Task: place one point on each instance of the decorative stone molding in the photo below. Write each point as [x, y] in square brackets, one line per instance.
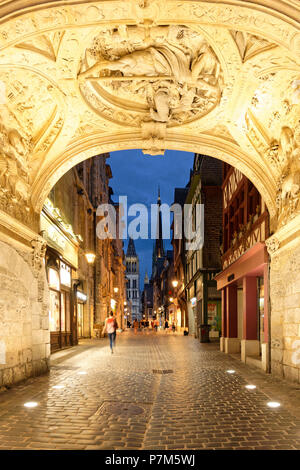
[38, 255]
[272, 245]
[184, 67]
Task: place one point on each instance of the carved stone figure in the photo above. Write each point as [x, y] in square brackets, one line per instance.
[38, 254]
[163, 60]
[13, 163]
[296, 92]
[289, 189]
[170, 69]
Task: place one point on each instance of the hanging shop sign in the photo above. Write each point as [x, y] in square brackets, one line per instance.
[59, 241]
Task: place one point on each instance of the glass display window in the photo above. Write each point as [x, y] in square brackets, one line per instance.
[63, 312]
[54, 312]
[68, 313]
[53, 279]
[65, 274]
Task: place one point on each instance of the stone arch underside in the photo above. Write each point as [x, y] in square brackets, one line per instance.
[81, 78]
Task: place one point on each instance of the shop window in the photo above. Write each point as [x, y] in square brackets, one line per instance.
[54, 312]
[63, 312]
[53, 279]
[68, 313]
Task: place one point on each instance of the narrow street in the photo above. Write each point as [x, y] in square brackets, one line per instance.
[157, 391]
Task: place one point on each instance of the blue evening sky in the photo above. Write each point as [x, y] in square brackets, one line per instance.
[138, 176]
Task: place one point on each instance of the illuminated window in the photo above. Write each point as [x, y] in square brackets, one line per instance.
[53, 279]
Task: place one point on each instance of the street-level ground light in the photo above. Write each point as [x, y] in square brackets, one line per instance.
[250, 387]
[82, 372]
[90, 257]
[273, 404]
[230, 371]
[59, 387]
[30, 404]
[125, 303]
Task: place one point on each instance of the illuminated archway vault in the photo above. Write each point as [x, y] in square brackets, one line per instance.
[88, 77]
[78, 78]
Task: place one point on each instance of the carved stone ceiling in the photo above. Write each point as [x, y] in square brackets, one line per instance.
[88, 77]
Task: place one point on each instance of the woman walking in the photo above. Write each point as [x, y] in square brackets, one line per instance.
[110, 328]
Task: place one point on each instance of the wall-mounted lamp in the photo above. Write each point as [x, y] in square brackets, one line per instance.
[90, 257]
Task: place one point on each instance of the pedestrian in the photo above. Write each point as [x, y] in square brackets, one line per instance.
[135, 326]
[110, 328]
[173, 327]
[166, 325]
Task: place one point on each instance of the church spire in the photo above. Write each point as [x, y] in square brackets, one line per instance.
[131, 249]
[159, 246]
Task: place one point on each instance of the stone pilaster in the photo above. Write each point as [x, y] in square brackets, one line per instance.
[284, 250]
[24, 299]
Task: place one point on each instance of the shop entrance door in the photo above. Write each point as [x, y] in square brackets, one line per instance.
[80, 320]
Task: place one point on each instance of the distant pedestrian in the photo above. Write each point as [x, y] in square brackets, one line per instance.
[110, 328]
[173, 327]
[135, 326]
[166, 325]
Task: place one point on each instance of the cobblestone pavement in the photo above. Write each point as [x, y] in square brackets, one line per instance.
[156, 392]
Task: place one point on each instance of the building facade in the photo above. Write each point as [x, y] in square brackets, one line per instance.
[244, 280]
[133, 280]
[178, 244]
[86, 275]
[147, 299]
[203, 262]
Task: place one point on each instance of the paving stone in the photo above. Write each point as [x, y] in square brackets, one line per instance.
[121, 404]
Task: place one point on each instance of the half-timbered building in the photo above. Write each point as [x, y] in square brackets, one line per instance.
[244, 278]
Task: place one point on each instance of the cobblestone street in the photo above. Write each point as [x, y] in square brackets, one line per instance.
[156, 392]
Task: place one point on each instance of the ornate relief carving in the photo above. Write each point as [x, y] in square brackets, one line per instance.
[14, 150]
[153, 134]
[250, 45]
[47, 44]
[165, 74]
[38, 254]
[289, 184]
[272, 245]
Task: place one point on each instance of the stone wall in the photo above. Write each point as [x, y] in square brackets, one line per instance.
[285, 312]
[24, 318]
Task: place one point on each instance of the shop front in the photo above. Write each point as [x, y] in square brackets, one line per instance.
[245, 307]
[59, 280]
[61, 266]
[81, 298]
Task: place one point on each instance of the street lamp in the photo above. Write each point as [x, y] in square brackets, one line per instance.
[171, 299]
[175, 283]
[90, 257]
[116, 290]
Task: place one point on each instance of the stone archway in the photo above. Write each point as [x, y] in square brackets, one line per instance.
[79, 78]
